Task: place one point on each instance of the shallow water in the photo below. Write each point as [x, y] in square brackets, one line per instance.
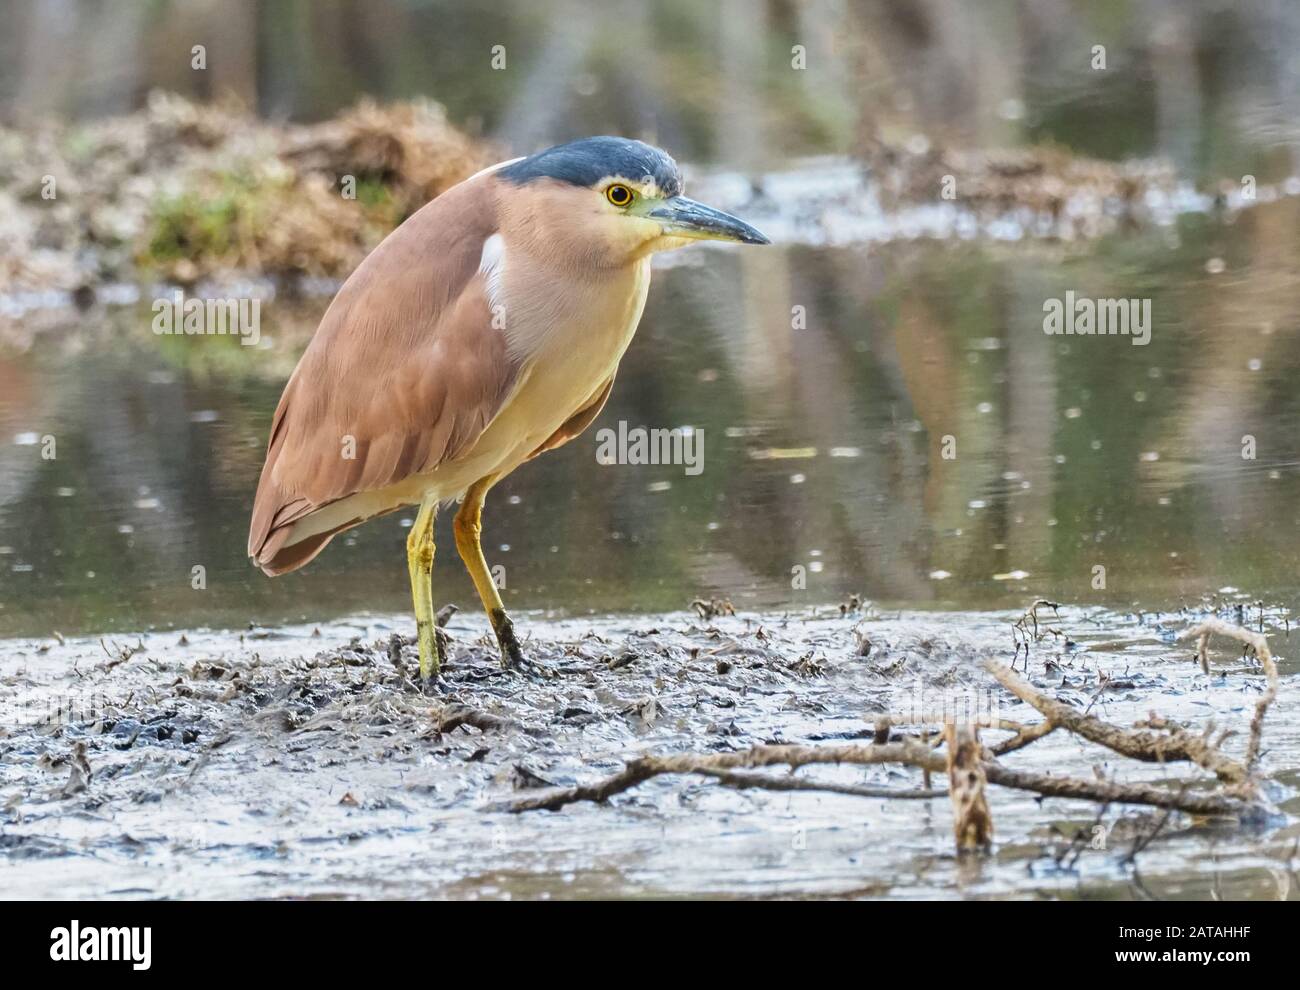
[1068, 454]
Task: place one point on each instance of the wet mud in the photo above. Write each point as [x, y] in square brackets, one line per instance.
[307, 762]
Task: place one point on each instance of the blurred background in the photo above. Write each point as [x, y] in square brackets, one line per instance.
[831, 125]
[1212, 84]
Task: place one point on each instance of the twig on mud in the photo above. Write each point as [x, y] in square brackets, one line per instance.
[1154, 795]
[971, 766]
[743, 781]
[713, 607]
[972, 824]
[454, 716]
[1173, 746]
[1024, 735]
[1145, 839]
[909, 752]
[1079, 839]
[642, 768]
[1259, 643]
[120, 654]
[1025, 629]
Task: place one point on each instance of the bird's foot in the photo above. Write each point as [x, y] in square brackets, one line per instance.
[512, 655]
[432, 685]
[432, 644]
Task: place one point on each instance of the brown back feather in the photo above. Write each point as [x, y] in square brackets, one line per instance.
[405, 362]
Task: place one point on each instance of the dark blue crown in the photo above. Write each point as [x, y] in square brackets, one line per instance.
[586, 162]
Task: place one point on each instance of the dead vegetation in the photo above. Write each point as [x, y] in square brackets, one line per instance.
[1070, 196]
[1028, 631]
[185, 192]
[737, 708]
[711, 608]
[970, 765]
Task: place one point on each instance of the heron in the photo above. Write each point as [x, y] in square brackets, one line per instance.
[484, 330]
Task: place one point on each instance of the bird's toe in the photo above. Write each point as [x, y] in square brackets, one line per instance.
[433, 685]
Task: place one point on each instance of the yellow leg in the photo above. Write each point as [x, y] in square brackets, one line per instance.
[419, 560]
[469, 527]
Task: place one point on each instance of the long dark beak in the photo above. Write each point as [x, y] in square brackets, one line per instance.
[682, 217]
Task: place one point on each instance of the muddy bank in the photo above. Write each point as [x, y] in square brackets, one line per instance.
[304, 762]
[180, 192]
[209, 196]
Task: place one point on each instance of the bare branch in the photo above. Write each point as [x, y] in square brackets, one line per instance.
[969, 765]
[1259, 643]
[1207, 803]
[1151, 747]
[720, 766]
[1023, 737]
[643, 768]
[742, 781]
[971, 822]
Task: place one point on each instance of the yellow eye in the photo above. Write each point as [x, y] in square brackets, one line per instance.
[619, 194]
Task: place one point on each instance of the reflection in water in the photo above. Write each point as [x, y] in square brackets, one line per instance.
[914, 436]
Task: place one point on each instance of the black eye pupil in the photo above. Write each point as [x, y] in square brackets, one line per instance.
[619, 195]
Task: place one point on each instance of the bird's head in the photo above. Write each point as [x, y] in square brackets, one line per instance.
[607, 201]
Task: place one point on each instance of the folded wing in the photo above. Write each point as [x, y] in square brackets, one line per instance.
[403, 374]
